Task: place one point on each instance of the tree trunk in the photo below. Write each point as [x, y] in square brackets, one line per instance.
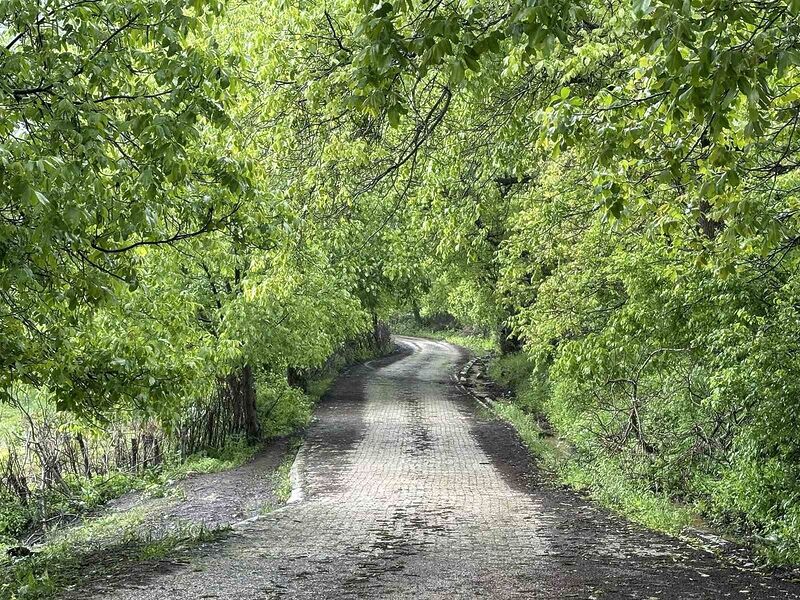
[708, 227]
[417, 316]
[85, 454]
[376, 334]
[252, 426]
[242, 393]
[509, 343]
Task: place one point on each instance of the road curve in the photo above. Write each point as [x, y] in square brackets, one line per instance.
[406, 489]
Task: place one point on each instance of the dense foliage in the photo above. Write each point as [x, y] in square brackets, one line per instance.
[612, 187]
[192, 191]
[160, 276]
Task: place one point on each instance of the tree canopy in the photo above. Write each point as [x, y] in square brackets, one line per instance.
[190, 188]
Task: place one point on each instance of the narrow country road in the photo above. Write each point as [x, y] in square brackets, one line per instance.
[406, 489]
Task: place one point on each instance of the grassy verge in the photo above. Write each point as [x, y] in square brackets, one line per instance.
[281, 478]
[603, 479]
[283, 481]
[233, 455]
[81, 496]
[76, 539]
[105, 546]
[108, 545]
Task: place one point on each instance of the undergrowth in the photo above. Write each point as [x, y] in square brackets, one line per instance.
[106, 546]
[603, 479]
[281, 479]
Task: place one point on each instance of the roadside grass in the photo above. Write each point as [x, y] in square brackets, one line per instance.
[550, 456]
[281, 479]
[604, 480]
[106, 546]
[319, 385]
[282, 476]
[79, 496]
[74, 497]
[232, 455]
[74, 552]
[511, 371]
[479, 344]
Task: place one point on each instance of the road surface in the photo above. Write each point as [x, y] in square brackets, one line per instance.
[406, 489]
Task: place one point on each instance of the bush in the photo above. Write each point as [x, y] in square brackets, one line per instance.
[282, 409]
[14, 518]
